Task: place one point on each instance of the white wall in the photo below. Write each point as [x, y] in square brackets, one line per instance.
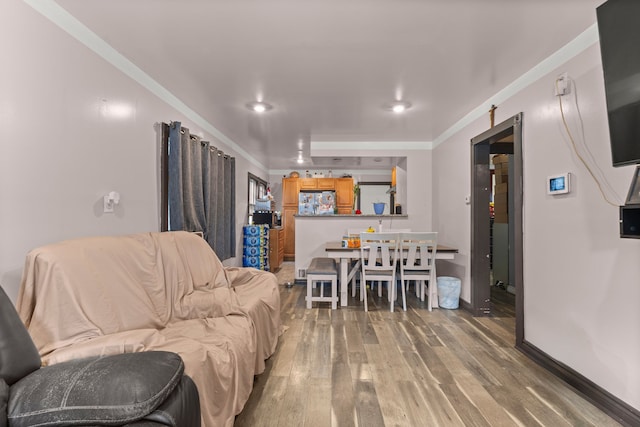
[581, 281]
[60, 152]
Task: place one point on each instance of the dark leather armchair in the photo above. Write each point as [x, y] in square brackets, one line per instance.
[136, 389]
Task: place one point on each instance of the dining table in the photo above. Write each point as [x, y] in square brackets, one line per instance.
[344, 255]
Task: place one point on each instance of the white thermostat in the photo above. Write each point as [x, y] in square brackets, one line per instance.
[559, 184]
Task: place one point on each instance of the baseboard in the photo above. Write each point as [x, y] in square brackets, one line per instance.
[466, 306]
[469, 308]
[605, 401]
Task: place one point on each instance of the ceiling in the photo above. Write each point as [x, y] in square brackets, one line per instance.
[329, 67]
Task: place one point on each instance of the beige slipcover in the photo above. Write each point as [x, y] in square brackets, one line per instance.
[155, 291]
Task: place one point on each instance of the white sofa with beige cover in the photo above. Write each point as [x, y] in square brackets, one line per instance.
[155, 291]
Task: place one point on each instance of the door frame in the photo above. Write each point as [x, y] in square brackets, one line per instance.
[482, 146]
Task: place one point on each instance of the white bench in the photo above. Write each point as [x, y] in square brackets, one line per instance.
[322, 270]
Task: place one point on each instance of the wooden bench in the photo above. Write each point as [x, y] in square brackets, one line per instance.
[322, 270]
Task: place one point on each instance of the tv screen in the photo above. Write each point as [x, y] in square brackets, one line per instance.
[619, 29]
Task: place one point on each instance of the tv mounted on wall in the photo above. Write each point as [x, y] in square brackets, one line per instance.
[619, 29]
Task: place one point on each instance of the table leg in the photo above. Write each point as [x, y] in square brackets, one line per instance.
[433, 290]
[344, 285]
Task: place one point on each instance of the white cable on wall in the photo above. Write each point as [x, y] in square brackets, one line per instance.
[585, 157]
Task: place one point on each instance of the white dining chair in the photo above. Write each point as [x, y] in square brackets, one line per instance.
[378, 257]
[418, 263]
[355, 264]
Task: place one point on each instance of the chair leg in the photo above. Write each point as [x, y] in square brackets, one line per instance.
[353, 286]
[404, 297]
[363, 293]
[392, 293]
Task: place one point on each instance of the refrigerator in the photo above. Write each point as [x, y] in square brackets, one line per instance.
[317, 203]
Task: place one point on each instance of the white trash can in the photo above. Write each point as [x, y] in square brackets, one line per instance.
[448, 292]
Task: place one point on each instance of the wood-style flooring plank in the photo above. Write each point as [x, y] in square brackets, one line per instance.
[318, 406]
[368, 409]
[345, 367]
[494, 413]
[391, 405]
[466, 410]
[343, 407]
[287, 347]
[265, 410]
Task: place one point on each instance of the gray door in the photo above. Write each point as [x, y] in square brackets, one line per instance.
[504, 138]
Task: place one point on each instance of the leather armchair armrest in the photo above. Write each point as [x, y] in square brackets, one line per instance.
[181, 409]
[109, 390]
[4, 399]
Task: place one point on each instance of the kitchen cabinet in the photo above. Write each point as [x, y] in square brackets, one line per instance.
[289, 230]
[290, 191]
[344, 194]
[325, 183]
[276, 248]
[308, 183]
[291, 187]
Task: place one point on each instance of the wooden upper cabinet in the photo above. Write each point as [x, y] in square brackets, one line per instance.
[308, 183]
[290, 191]
[326, 183]
[344, 192]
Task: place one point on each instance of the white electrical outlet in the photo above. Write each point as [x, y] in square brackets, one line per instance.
[562, 87]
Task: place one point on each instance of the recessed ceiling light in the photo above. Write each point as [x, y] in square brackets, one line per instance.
[399, 106]
[259, 106]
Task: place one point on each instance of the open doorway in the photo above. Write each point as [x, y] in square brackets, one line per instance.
[496, 245]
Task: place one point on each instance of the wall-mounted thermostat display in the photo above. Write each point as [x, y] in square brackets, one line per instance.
[559, 184]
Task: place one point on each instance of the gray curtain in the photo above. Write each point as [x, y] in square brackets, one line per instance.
[201, 190]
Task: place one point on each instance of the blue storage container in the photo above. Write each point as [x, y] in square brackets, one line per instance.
[448, 292]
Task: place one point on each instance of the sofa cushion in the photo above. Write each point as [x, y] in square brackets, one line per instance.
[111, 390]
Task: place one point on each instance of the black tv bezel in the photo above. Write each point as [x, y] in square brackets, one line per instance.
[615, 148]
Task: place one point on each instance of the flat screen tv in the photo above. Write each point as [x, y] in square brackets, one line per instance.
[619, 29]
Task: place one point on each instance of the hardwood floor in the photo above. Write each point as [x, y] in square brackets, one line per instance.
[502, 302]
[415, 368]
